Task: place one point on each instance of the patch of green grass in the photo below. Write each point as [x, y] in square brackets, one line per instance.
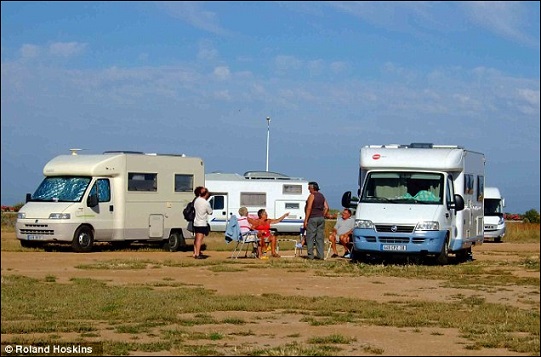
[336, 339]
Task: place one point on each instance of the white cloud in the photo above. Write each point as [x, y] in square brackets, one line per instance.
[191, 13]
[66, 49]
[223, 94]
[29, 51]
[222, 72]
[287, 63]
[207, 51]
[504, 18]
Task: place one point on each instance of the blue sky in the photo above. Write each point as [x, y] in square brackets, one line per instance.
[200, 78]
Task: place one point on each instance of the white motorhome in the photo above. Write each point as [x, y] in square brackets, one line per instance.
[117, 197]
[275, 192]
[494, 220]
[420, 199]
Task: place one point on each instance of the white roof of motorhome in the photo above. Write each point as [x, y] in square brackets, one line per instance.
[106, 164]
[491, 192]
[414, 156]
[250, 175]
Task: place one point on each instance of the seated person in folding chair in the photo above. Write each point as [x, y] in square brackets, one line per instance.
[244, 224]
[262, 225]
[341, 233]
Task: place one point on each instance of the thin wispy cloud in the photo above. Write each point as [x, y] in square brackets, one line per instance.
[193, 13]
[66, 49]
[503, 18]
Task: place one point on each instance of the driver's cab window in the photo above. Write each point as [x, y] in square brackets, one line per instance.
[103, 189]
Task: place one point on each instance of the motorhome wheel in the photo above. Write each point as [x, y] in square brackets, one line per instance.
[83, 240]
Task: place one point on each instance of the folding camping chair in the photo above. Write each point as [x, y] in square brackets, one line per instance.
[299, 247]
[246, 239]
[233, 233]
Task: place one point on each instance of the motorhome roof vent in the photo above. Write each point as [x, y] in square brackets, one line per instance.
[421, 145]
[124, 152]
[254, 175]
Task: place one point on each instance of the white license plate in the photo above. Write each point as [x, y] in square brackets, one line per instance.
[394, 247]
[34, 237]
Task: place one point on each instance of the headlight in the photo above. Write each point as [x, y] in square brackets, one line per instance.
[428, 226]
[21, 215]
[361, 223]
[501, 220]
[59, 216]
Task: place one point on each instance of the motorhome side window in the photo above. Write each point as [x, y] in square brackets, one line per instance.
[104, 190]
[142, 182]
[183, 183]
[468, 184]
[292, 189]
[253, 199]
[217, 202]
[480, 188]
[292, 205]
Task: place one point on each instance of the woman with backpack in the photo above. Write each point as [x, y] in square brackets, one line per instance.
[200, 223]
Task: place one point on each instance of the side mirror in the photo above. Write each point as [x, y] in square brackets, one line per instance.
[458, 204]
[346, 199]
[92, 201]
[28, 197]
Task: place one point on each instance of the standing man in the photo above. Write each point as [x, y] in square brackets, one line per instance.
[200, 224]
[314, 222]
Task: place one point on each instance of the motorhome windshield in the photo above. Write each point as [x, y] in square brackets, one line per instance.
[61, 189]
[403, 187]
[493, 207]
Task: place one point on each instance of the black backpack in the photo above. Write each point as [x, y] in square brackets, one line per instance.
[189, 212]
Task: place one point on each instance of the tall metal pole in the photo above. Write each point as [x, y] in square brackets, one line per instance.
[268, 137]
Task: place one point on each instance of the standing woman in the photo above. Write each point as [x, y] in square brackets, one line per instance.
[200, 223]
[314, 222]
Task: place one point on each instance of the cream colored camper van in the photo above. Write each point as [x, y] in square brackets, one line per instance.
[117, 197]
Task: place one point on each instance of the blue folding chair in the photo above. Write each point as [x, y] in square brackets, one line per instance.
[233, 233]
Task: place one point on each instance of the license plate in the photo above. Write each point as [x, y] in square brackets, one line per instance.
[34, 237]
[394, 247]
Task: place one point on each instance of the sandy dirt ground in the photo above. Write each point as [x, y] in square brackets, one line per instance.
[388, 340]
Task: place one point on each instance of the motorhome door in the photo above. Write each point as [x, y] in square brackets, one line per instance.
[218, 218]
[101, 216]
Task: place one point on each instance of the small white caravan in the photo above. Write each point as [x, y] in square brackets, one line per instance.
[420, 199]
[117, 197]
[494, 220]
[275, 192]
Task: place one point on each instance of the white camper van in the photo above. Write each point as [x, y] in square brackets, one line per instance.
[494, 220]
[420, 199]
[275, 192]
[117, 197]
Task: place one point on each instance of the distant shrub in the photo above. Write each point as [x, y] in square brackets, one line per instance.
[531, 216]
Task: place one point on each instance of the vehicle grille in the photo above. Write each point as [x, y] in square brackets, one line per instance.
[393, 240]
[41, 229]
[388, 228]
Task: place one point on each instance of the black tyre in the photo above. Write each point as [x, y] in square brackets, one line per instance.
[357, 257]
[463, 255]
[443, 257]
[497, 240]
[83, 240]
[175, 242]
